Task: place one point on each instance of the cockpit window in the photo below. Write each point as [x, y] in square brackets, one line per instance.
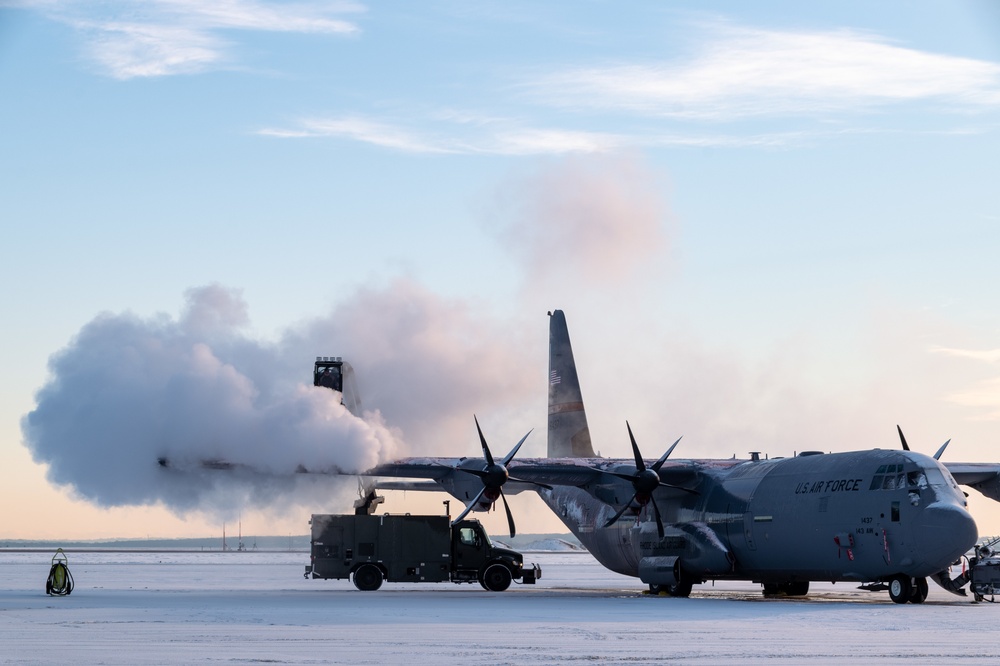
[935, 477]
[892, 477]
[916, 480]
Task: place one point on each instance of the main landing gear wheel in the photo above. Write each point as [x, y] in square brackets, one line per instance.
[496, 578]
[901, 589]
[368, 578]
[919, 593]
[680, 589]
[796, 589]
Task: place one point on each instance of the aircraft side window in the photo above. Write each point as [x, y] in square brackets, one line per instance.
[889, 483]
[895, 512]
[877, 482]
[900, 481]
[880, 470]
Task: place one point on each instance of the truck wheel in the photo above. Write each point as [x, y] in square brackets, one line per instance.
[367, 578]
[496, 578]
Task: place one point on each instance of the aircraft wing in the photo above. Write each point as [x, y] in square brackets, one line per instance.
[984, 477]
[545, 471]
[414, 468]
[532, 473]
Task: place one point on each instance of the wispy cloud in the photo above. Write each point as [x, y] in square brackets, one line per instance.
[735, 75]
[744, 72]
[985, 355]
[982, 395]
[164, 37]
[365, 131]
[439, 135]
[451, 137]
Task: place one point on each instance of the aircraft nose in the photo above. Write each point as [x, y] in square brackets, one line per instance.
[947, 532]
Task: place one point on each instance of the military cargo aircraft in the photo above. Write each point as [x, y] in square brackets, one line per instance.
[887, 519]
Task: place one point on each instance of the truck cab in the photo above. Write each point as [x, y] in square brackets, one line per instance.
[474, 557]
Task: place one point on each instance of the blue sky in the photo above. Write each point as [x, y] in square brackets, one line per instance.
[773, 226]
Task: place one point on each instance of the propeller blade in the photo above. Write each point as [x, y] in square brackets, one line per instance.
[614, 518]
[687, 490]
[474, 472]
[510, 456]
[619, 475]
[902, 439]
[534, 483]
[659, 463]
[656, 512]
[640, 466]
[469, 506]
[510, 517]
[937, 456]
[482, 439]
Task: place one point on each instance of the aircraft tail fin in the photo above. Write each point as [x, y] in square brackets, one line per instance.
[569, 434]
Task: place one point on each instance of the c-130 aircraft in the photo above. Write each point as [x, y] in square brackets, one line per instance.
[887, 519]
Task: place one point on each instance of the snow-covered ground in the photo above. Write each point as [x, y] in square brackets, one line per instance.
[156, 608]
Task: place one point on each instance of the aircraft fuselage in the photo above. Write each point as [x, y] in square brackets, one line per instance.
[858, 516]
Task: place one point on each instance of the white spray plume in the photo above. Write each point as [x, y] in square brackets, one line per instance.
[129, 391]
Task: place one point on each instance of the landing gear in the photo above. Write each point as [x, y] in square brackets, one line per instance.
[681, 589]
[901, 588]
[796, 589]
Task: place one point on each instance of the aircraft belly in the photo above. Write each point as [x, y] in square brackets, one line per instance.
[613, 546]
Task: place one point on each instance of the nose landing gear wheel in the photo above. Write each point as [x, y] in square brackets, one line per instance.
[919, 594]
[900, 589]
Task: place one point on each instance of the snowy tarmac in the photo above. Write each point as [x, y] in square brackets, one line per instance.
[214, 607]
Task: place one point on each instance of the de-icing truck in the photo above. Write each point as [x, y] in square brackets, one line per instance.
[371, 549]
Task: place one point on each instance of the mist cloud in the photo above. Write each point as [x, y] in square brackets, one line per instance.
[128, 390]
[589, 219]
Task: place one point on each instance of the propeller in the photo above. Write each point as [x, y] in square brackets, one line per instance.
[906, 447]
[494, 475]
[645, 480]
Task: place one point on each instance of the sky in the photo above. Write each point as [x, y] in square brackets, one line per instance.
[773, 227]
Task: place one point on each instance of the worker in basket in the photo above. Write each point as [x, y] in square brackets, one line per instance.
[60, 581]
